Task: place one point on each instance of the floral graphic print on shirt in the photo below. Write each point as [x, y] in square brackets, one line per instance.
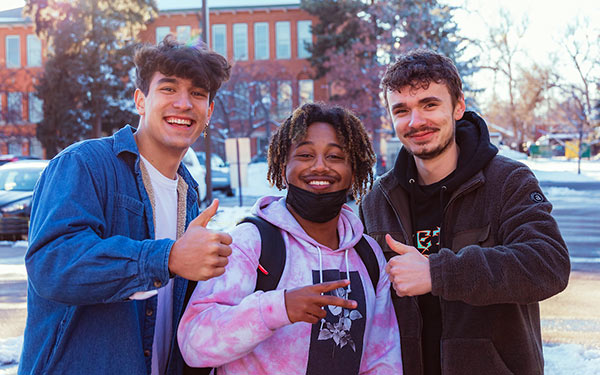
[336, 343]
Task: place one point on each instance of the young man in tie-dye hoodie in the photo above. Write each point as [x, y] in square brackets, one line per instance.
[324, 317]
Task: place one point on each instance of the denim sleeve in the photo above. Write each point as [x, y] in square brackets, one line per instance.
[72, 258]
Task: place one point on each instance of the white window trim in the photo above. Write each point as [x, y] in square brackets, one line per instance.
[18, 39]
[267, 44]
[240, 44]
[279, 38]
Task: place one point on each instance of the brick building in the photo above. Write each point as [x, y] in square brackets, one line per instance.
[265, 38]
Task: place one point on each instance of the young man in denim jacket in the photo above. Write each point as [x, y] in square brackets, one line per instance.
[115, 233]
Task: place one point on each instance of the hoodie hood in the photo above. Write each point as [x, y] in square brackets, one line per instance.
[273, 209]
[476, 151]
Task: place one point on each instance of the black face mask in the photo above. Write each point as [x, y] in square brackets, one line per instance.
[318, 208]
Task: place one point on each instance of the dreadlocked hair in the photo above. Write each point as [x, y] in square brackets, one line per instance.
[350, 132]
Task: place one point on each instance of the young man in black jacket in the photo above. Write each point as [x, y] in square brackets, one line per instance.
[470, 241]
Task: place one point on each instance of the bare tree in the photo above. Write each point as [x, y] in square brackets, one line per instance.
[501, 50]
[580, 43]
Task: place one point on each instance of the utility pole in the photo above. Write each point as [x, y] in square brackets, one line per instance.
[207, 140]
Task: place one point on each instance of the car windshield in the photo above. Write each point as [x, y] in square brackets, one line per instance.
[19, 179]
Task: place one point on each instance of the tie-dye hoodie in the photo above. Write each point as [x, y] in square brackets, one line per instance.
[241, 331]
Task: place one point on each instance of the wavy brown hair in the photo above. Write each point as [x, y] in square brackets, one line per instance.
[418, 68]
[205, 68]
[350, 132]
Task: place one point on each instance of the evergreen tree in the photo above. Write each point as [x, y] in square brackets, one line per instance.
[86, 85]
[355, 40]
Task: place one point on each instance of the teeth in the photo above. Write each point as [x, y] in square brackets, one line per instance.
[322, 183]
[179, 121]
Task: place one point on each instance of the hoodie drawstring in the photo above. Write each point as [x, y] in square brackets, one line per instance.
[348, 289]
[413, 221]
[347, 272]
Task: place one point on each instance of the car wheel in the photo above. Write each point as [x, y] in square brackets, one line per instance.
[229, 191]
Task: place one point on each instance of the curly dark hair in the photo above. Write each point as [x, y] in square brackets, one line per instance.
[418, 68]
[205, 68]
[350, 131]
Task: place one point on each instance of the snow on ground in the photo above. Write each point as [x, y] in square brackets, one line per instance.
[557, 169]
[560, 359]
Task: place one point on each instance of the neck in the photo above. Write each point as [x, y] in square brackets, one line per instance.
[165, 160]
[324, 233]
[433, 170]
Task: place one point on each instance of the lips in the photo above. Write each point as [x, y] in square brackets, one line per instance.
[319, 182]
[179, 121]
[421, 134]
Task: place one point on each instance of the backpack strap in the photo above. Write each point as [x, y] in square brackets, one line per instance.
[272, 253]
[367, 255]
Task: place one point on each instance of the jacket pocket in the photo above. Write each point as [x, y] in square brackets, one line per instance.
[60, 344]
[474, 236]
[130, 204]
[472, 356]
[128, 217]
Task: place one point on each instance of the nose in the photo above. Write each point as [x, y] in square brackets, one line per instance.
[183, 100]
[415, 119]
[319, 163]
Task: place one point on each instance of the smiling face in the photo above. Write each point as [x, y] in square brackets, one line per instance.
[318, 162]
[172, 115]
[424, 119]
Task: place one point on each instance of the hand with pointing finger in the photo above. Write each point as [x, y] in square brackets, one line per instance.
[200, 254]
[305, 304]
[409, 270]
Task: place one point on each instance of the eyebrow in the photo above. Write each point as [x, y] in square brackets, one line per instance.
[167, 80]
[310, 143]
[426, 100]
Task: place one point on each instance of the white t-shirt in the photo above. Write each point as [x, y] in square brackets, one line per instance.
[165, 219]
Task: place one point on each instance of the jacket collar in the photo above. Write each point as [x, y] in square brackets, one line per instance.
[124, 141]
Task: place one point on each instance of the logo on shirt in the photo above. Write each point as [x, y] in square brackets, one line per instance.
[427, 238]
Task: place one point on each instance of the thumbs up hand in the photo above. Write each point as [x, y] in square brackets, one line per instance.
[200, 254]
[409, 270]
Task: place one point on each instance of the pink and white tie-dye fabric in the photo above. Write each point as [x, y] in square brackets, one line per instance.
[230, 326]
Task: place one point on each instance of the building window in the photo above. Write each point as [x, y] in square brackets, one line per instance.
[184, 34]
[304, 38]
[261, 41]
[161, 33]
[14, 109]
[240, 41]
[35, 148]
[283, 44]
[306, 91]
[2, 114]
[34, 51]
[13, 51]
[35, 108]
[241, 101]
[284, 99]
[15, 148]
[219, 39]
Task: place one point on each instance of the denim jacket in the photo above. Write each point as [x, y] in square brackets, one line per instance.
[91, 246]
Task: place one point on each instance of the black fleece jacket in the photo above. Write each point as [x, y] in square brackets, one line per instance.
[501, 252]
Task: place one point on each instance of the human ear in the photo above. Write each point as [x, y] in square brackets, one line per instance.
[459, 108]
[140, 102]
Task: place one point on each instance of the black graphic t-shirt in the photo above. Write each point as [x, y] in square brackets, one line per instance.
[336, 343]
[427, 206]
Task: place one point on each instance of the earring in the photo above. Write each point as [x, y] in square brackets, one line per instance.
[205, 132]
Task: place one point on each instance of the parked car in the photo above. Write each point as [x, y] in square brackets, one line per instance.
[220, 172]
[190, 160]
[17, 180]
[10, 158]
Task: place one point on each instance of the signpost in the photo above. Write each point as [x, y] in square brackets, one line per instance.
[237, 153]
